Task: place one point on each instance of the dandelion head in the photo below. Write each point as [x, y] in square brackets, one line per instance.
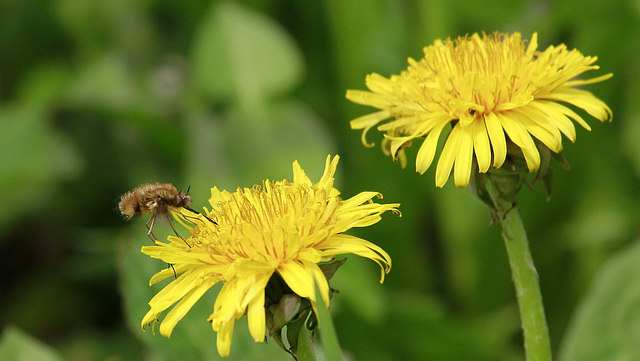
[494, 90]
[284, 229]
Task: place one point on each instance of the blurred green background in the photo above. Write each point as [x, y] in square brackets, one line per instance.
[97, 97]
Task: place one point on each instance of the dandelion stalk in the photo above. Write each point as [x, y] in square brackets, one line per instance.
[332, 350]
[534, 324]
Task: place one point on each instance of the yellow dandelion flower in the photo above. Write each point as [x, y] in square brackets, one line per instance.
[281, 227]
[494, 90]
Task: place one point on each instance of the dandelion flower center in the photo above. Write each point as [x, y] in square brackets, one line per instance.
[275, 222]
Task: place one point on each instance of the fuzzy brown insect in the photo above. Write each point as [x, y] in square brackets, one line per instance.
[157, 199]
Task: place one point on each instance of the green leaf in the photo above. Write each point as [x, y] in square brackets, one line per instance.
[17, 345]
[329, 269]
[606, 326]
[242, 55]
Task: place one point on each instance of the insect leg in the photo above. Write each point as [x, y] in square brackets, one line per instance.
[175, 276]
[176, 232]
[150, 234]
[196, 212]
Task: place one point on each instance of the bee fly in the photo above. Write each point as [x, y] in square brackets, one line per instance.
[157, 199]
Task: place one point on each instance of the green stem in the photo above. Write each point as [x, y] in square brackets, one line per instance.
[332, 350]
[536, 335]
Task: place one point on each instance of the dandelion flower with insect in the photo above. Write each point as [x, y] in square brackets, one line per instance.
[284, 229]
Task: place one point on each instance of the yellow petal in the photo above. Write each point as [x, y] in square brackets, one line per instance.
[367, 98]
[447, 158]
[175, 290]
[163, 275]
[582, 99]
[581, 82]
[255, 310]
[558, 115]
[180, 310]
[481, 145]
[378, 84]
[498, 141]
[368, 121]
[397, 143]
[330, 166]
[343, 244]
[357, 200]
[321, 281]
[298, 278]
[223, 341]
[533, 45]
[299, 176]
[400, 123]
[537, 124]
[519, 135]
[464, 156]
[427, 150]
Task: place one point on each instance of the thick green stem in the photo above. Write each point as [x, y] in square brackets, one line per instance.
[332, 350]
[534, 325]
